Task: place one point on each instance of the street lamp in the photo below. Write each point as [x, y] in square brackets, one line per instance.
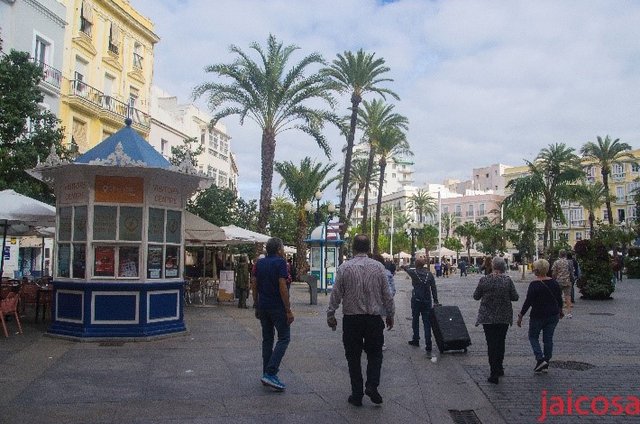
[309, 207]
[413, 227]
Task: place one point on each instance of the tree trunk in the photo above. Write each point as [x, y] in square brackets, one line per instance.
[548, 237]
[376, 227]
[348, 155]
[352, 206]
[607, 199]
[302, 266]
[365, 201]
[267, 160]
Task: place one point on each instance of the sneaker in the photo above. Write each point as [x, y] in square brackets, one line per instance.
[355, 400]
[569, 315]
[545, 366]
[374, 395]
[273, 381]
[541, 364]
[414, 343]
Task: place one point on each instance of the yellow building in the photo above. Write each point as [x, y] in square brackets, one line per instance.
[108, 67]
[622, 184]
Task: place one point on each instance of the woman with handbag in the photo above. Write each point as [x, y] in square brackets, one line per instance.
[544, 297]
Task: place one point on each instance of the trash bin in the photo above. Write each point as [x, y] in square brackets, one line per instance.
[312, 281]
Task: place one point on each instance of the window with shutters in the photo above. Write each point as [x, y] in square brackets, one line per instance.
[86, 18]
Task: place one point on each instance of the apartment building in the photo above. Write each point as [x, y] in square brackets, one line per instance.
[37, 27]
[108, 68]
[172, 122]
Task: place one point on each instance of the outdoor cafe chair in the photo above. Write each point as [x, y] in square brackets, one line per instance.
[9, 306]
[28, 294]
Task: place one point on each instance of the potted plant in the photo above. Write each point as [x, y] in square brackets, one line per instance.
[596, 277]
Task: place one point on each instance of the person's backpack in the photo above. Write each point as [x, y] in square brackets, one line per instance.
[421, 290]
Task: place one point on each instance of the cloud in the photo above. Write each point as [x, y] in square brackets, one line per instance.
[481, 82]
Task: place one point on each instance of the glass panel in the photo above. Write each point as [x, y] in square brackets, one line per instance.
[64, 226]
[130, 223]
[104, 262]
[104, 222]
[128, 261]
[156, 225]
[154, 262]
[171, 262]
[174, 226]
[64, 257]
[80, 223]
[79, 261]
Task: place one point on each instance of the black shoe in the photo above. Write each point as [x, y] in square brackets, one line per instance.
[493, 379]
[373, 395]
[355, 400]
[414, 343]
[541, 364]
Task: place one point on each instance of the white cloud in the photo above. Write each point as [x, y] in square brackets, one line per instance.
[481, 82]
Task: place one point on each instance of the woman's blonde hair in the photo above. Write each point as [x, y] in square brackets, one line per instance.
[540, 267]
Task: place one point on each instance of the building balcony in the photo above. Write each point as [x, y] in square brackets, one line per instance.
[618, 177]
[578, 223]
[108, 108]
[50, 75]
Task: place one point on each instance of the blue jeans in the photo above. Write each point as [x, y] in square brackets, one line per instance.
[273, 319]
[547, 326]
[418, 309]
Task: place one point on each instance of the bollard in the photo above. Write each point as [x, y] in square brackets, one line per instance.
[313, 288]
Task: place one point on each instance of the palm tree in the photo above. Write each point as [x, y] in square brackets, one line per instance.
[467, 230]
[423, 203]
[592, 197]
[550, 180]
[449, 221]
[300, 183]
[274, 96]
[357, 73]
[606, 153]
[376, 116]
[359, 178]
[390, 143]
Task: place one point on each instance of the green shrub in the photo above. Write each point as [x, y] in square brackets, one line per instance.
[596, 279]
[632, 262]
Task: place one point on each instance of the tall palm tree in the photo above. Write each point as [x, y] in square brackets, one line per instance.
[390, 144]
[358, 74]
[275, 96]
[606, 153]
[592, 197]
[373, 118]
[424, 204]
[551, 179]
[359, 178]
[300, 183]
[467, 230]
[449, 222]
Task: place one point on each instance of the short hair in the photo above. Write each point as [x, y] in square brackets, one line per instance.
[274, 244]
[540, 267]
[498, 263]
[420, 262]
[562, 253]
[361, 244]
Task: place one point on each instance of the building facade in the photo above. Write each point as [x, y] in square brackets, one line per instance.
[108, 68]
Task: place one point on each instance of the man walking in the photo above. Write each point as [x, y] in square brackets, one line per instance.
[361, 285]
[424, 287]
[562, 272]
[270, 294]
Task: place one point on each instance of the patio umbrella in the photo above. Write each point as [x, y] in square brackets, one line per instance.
[242, 235]
[20, 215]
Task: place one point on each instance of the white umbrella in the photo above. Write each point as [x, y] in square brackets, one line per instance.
[200, 231]
[242, 235]
[20, 215]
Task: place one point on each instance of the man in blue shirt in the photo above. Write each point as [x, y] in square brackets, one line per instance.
[271, 300]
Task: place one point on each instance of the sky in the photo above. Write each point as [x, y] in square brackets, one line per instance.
[481, 82]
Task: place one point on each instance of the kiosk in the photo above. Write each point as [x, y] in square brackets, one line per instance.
[119, 245]
[323, 258]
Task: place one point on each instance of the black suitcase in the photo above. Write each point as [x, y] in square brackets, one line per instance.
[449, 328]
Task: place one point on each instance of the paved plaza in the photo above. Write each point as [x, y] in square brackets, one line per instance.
[211, 374]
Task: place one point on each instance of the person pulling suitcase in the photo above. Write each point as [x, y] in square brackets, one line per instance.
[424, 289]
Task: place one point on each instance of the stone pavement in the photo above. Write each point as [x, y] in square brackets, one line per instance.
[211, 374]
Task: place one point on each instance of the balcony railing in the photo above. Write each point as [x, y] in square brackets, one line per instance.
[50, 75]
[618, 177]
[113, 49]
[108, 103]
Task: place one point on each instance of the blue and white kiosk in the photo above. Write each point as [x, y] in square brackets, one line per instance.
[118, 269]
[323, 258]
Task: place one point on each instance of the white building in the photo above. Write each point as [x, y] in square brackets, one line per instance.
[172, 123]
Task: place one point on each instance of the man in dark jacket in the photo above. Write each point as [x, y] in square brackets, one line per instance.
[424, 288]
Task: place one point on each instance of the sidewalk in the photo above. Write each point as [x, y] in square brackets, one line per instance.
[211, 374]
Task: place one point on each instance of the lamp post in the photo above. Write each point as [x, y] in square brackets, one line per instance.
[309, 207]
[413, 227]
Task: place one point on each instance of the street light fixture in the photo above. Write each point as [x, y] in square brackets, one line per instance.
[413, 227]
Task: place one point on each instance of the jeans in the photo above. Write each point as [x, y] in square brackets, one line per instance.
[363, 332]
[424, 309]
[273, 319]
[547, 326]
[495, 335]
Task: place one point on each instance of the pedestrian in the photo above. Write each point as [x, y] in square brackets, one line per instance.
[576, 275]
[562, 272]
[438, 268]
[496, 291]
[486, 265]
[242, 281]
[424, 289]
[271, 296]
[362, 287]
[463, 268]
[544, 297]
[445, 267]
